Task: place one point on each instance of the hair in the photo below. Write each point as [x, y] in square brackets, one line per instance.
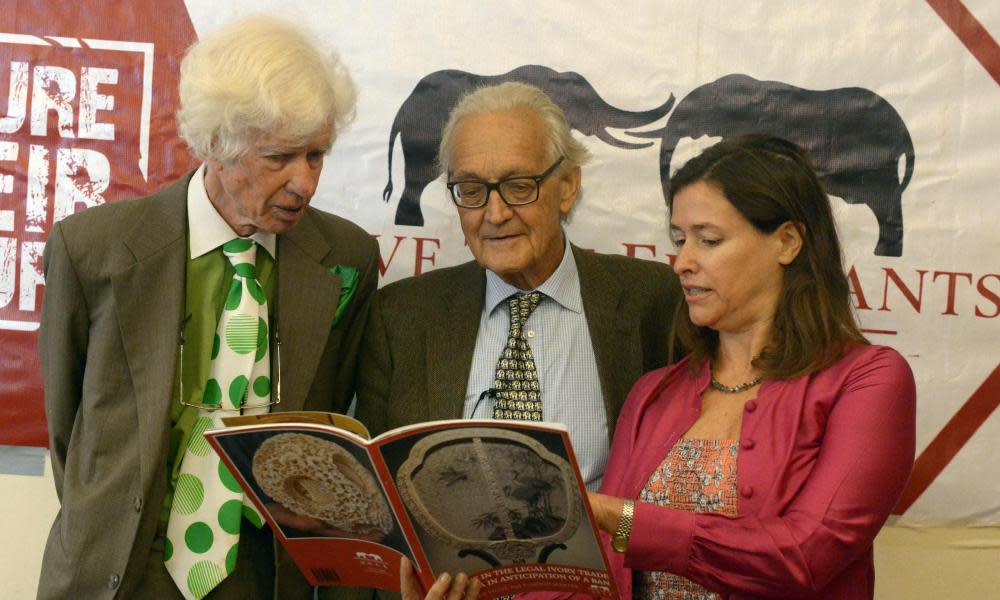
[514, 95]
[260, 75]
[771, 181]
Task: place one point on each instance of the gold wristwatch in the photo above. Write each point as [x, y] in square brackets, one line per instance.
[619, 541]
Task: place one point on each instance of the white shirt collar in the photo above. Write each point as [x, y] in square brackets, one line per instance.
[207, 230]
[563, 285]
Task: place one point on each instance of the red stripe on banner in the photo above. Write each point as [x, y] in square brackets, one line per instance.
[971, 33]
[955, 434]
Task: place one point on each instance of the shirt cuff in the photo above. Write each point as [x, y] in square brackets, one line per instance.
[661, 539]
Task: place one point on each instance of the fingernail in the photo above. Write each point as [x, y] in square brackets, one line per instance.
[443, 577]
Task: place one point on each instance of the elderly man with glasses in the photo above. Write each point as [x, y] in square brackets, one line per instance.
[534, 328]
[164, 313]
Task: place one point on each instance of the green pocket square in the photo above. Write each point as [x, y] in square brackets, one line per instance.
[349, 284]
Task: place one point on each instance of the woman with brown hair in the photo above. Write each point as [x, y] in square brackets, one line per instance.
[765, 462]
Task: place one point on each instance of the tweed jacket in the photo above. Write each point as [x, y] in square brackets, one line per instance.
[114, 299]
[422, 333]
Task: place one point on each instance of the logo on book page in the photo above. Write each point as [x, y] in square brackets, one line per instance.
[371, 561]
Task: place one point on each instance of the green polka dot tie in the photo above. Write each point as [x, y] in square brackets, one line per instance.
[204, 528]
[518, 395]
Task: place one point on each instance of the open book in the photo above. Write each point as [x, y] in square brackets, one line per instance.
[502, 500]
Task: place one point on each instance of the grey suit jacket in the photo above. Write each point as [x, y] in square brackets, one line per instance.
[114, 299]
[422, 333]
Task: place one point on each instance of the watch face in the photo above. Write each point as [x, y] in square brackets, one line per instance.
[618, 544]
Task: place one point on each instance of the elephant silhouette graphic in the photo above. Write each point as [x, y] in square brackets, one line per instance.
[855, 138]
[422, 116]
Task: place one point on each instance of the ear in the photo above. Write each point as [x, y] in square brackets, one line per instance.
[213, 169]
[789, 235]
[569, 190]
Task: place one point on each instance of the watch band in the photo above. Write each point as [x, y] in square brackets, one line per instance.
[619, 541]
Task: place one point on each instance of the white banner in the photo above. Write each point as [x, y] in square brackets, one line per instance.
[896, 100]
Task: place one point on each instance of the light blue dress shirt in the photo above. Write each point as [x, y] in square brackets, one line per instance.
[567, 368]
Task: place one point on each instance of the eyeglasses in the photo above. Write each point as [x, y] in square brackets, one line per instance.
[514, 191]
[276, 378]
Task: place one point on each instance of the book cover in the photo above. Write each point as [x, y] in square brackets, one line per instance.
[500, 500]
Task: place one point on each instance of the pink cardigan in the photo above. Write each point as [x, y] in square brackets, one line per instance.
[823, 460]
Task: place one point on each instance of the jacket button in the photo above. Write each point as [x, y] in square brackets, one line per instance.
[746, 491]
[748, 444]
[750, 406]
[113, 581]
[138, 504]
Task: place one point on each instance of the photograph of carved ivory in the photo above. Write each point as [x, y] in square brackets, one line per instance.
[489, 497]
[316, 486]
[318, 479]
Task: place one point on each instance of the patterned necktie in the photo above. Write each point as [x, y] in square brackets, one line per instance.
[516, 382]
[204, 527]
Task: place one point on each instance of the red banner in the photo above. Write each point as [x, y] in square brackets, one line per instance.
[88, 92]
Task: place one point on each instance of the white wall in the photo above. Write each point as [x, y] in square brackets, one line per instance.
[28, 505]
[937, 563]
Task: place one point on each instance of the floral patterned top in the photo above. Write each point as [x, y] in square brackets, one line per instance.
[697, 476]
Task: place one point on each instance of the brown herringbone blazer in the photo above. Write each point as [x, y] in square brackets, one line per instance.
[422, 332]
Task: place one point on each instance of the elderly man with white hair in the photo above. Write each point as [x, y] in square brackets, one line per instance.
[223, 293]
[585, 325]
[534, 328]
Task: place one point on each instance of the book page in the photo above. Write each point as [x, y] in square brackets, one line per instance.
[321, 494]
[302, 416]
[500, 500]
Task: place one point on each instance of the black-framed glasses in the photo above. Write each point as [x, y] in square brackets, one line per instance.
[275, 379]
[514, 191]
